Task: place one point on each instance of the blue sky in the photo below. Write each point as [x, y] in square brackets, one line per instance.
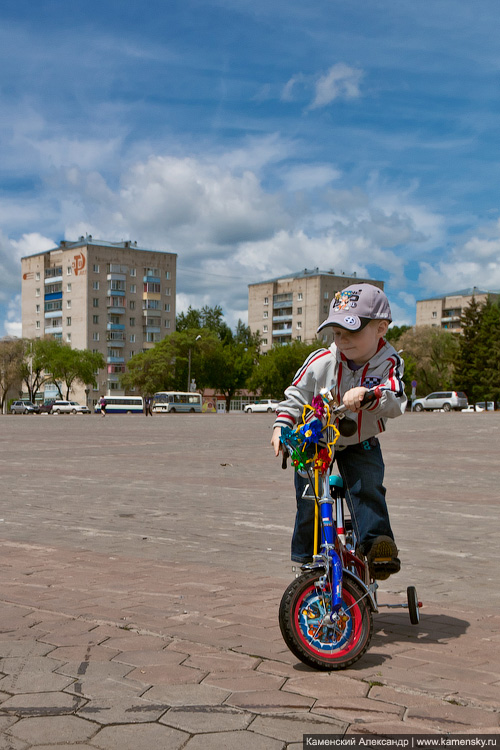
[255, 139]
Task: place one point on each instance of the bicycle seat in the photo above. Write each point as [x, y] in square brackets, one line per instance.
[336, 481]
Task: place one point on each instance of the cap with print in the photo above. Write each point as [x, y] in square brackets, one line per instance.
[354, 307]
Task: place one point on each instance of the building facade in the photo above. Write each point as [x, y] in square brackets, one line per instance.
[445, 311]
[292, 307]
[113, 298]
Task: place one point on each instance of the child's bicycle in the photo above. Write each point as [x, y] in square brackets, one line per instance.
[325, 614]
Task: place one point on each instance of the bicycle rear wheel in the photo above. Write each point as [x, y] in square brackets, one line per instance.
[325, 647]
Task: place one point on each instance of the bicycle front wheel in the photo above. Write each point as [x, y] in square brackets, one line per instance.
[302, 618]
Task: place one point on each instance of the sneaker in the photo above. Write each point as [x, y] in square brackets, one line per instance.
[383, 558]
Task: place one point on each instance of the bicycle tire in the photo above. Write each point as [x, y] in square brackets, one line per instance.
[413, 606]
[328, 649]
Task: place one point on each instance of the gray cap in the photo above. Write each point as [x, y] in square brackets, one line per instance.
[354, 307]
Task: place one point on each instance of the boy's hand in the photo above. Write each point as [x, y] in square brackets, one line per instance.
[275, 440]
[353, 398]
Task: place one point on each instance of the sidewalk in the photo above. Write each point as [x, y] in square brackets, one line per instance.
[140, 589]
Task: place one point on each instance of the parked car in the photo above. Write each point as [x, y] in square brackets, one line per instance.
[24, 407]
[46, 407]
[446, 400]
[69, 407]
[480, 406]
[265, 404]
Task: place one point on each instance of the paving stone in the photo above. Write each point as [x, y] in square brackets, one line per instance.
[232, 740]
[143, 737]
[31, 680]
[447, 717]
[244, 681]
[187, 695]
[150, 658]
[386, 728]
[265, 701]
[53, 730]
[318, 685]
[291, 727]
[29, 649]
[222, 662]
[135, 710]
[203, 719]
[7, 742]
[357, 710]
[42, 704]
[170, 674]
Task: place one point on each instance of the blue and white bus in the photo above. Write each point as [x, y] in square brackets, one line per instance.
[165, 402]
[122, 405]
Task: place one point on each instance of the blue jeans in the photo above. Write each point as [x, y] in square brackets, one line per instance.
[361, 466]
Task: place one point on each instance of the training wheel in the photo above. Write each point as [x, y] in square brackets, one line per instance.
[413, 605]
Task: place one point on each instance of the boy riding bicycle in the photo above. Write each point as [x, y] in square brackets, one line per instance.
[358, 359]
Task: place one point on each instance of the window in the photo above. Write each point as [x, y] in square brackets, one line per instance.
[299, 311]
[167, 324]
[434, 314]
[131, 354]
[167, 306]
[266, 300]
[37, 324]
[37, 292]
[299, 296]
[299, 324]
[133, 272]
[264, 342]
[168, 291]
[152, 287]
[68, 321]
[299, 338]
[68, 337]
[95, 285]
[95, 319]
[96, 268]
[69, 271]
[131, 304]
[95, 336]
[133, 288]
[132, 321]
[325, 295]
[95, 302]
[132, 338]
[266, 314]
[68, 286]
[264, 328]
[38, 309]
[167, 275]
[37, 276]
[68, 304]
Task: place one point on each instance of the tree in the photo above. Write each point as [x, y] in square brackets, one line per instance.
[477, 366]
[394, 334]
[429, 354]
[11, 360]
[276, 369]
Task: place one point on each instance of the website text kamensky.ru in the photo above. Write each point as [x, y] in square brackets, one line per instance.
[401, 741]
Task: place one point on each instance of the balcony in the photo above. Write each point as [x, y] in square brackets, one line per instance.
[115, 327]
[53, 314]
[151, 313]
[115, 360]
[53, 279]
[151, 280]
[116, 277]
[282, 318]
[116, 342]
[52, 330]
[282, 331]
[151, 329]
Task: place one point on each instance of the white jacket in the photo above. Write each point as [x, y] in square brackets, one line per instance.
[328, 368]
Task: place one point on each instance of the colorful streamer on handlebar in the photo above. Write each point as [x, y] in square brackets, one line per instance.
[303, 441]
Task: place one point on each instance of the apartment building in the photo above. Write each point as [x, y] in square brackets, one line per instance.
[113, 298]
[446, 310]
[292, 307]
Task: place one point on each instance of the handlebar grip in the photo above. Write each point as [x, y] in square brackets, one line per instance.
[284, 458]
[370, 396]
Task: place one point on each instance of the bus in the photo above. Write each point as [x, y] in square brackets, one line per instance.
[122, 405]
[176, 401]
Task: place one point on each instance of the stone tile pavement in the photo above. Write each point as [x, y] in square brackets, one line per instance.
[140, 580]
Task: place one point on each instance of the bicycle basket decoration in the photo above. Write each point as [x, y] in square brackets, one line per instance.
[310, 443]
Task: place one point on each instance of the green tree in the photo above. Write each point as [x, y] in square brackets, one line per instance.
[477, 366]
[11, 361]
[276, 369]
[394, 334]
[429, 354]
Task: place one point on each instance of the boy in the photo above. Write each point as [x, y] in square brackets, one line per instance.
[358, 359]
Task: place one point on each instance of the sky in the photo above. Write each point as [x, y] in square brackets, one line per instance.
[255, 138]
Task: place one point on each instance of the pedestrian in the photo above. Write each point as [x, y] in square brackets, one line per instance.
[148, 404]
[358, 359]
[102, 404]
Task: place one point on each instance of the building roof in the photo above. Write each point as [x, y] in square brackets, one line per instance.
[307, 273]
[89, 240]
[471, 291]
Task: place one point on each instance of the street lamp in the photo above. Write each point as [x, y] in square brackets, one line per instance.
[189, 365]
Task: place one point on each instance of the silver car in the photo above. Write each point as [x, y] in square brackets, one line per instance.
[446, 400]
[24, 407]
[264, 405]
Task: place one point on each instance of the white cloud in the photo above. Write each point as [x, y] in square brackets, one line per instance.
[309, 176]
[341, 81]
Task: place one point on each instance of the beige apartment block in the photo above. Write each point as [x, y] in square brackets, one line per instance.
[114, 298]
[445, 311]
[292, 307]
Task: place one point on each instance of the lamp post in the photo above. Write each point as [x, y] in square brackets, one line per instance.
[189, 365]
